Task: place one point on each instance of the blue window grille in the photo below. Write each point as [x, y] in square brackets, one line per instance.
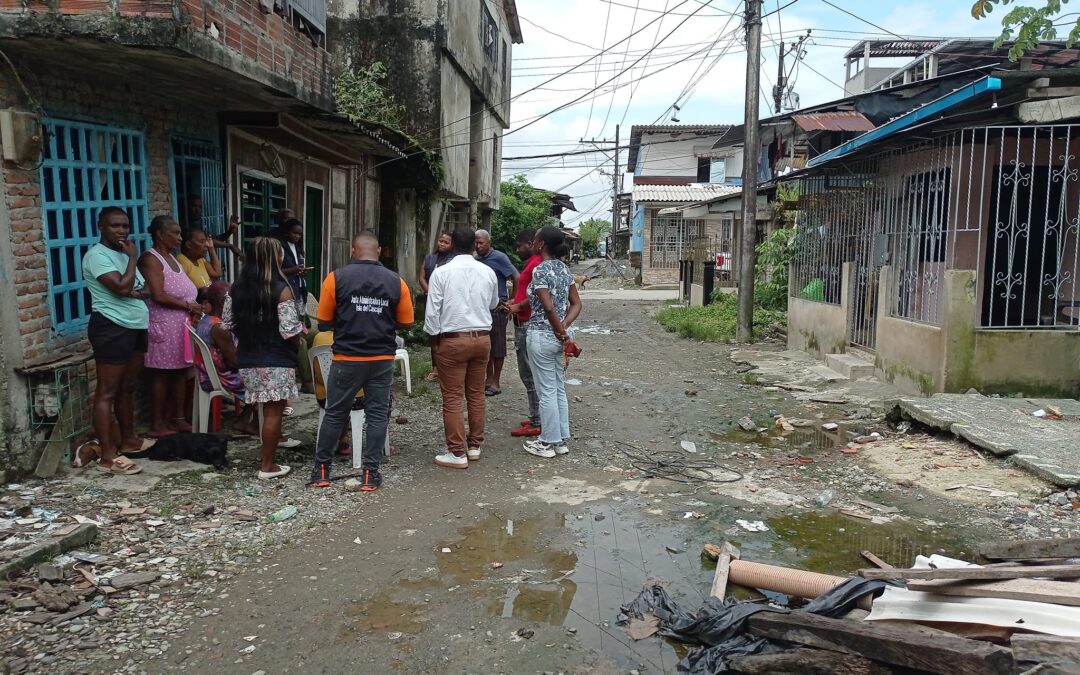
[196, 169]
[85, 168]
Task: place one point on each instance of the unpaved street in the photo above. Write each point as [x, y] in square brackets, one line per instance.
[520, 564]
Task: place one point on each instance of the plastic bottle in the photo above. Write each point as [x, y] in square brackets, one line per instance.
[282, 514]
[824, 498]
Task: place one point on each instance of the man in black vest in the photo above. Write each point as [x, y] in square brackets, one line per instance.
[364, 304]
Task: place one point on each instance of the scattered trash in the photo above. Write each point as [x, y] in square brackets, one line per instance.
[357, 541]
[526, 633]
[693, 514]
[353, 484]
[83, 520]
[711, 552]
[830, 426]
[446, 550]
[250, 649]
[1039, 413]
[282, 514]
[510, 528]
[688, 446]
[496, 565]
[903, 427]
[395, 635]
[752, 526]
[250, 638]
[574, 382]
[402, 420]
[824, 498]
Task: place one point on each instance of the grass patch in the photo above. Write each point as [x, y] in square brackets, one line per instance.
[717, 322]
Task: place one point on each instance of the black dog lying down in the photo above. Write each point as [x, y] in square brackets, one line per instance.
[201, 448]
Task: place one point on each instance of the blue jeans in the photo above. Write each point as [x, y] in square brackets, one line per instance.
[545, 360]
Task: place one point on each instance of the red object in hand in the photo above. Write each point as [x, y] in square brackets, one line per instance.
[571, 349]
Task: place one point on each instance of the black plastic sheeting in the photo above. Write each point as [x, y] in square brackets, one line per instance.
[720, 625]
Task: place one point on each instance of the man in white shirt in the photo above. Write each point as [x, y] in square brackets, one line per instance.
[461, 296]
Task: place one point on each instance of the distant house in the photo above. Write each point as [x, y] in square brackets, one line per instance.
[942, 248]
[674, 165]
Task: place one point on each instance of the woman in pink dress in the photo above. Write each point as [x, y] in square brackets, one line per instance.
[171, 301]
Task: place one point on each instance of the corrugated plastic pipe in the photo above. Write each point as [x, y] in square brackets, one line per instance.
[799, 583]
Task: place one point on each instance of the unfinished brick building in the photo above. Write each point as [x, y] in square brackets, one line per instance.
[141, 104]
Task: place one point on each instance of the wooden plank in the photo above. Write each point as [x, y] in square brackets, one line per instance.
[59, 439]
[807, 662]
[1032, 549]
[881, 564]
[1037, 590]
[1047, 649]
[932, 653]
[728, 553]
[1050, 571]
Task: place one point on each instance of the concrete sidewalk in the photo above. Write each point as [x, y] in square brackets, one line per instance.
[631, 294]
[1007, 427]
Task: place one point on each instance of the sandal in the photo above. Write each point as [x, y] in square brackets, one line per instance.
[432, 376]
[121, 466]
[146, 444]
[492, 391]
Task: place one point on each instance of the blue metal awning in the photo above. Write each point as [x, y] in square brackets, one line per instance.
[912, 118]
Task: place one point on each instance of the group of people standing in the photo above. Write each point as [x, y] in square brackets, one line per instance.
[257, 333]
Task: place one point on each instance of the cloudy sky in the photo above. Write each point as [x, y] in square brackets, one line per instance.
[700, 64]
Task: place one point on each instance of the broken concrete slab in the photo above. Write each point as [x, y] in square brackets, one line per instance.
[140, 483]
[807, 376]
[46, 550]
[123, 582]
[1006, 427]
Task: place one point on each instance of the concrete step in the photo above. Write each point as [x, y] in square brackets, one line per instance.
[850, 366]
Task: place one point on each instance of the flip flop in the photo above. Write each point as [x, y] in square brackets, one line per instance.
[267, 475]
[492, 391]
[121, 466]
[147, 443]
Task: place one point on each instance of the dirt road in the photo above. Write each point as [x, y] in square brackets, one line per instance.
[520, 564]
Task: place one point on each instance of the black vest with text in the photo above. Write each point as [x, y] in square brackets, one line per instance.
[365, 319]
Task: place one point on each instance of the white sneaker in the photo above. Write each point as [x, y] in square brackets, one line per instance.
[473, 454]
[539, 449]
[561, 449]
[452, 461]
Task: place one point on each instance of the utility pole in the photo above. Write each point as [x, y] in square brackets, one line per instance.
[751, 156]
[780, 88]
[616, 212]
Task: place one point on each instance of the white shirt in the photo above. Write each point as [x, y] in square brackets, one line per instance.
[461, 295]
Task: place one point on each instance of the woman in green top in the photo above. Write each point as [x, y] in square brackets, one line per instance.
[117, 333]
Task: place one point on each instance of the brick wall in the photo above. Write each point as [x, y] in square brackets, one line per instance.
[90, 101]
[264, 39]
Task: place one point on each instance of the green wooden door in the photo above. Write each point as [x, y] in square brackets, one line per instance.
[313, 237]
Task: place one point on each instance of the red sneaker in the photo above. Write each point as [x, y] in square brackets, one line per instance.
[526, 429]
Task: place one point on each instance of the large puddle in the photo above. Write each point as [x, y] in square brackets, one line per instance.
[575, 570]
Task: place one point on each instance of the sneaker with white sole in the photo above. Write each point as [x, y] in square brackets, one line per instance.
[539, 448]
[452, 461]
[561, 449]
[473, 454]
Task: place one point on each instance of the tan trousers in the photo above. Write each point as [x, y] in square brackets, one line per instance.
[462, 364]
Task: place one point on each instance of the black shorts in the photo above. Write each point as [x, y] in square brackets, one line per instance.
[498, 334]
[112, 343]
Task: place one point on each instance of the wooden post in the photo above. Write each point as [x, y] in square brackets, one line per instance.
[723, 566]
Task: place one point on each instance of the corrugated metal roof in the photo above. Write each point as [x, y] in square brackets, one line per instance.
[689, 194]
[841, 120]
[678, 128]
[893, 48]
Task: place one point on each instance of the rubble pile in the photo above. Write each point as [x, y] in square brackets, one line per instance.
[125, 596]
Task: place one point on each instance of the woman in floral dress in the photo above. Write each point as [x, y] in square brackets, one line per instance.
[261, 312]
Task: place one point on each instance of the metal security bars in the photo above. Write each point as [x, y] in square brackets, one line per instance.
[671, 235]
[196, 170]
[86, 167]
[1003, 201]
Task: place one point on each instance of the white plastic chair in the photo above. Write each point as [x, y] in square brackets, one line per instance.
[324, 356]
[203, 400]
[402, 356]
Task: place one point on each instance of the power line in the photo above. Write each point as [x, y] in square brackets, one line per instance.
[866, 21]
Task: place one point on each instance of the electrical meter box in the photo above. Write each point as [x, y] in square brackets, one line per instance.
[21, 135]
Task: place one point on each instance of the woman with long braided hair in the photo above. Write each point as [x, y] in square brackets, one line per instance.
[261, 312]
